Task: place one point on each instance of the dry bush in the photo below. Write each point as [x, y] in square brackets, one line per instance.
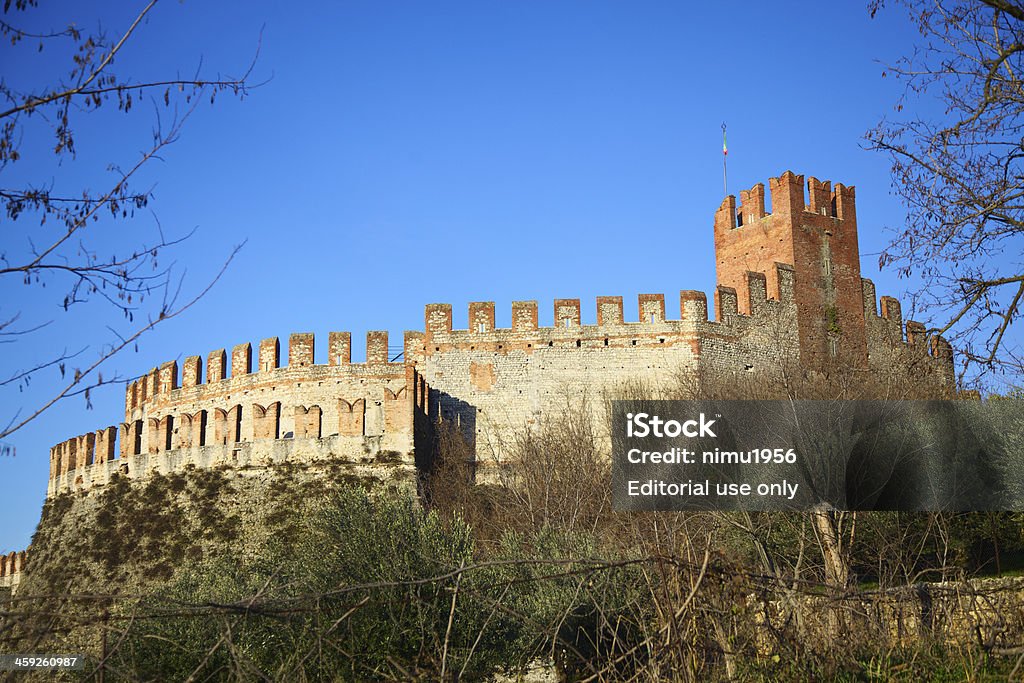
[451, 488]
[558, 474]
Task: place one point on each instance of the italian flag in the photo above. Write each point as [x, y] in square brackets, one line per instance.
[725, 147]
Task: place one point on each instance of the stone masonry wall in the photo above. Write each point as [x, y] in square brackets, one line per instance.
[494, 382]
[928, 359]
[303, 412]
[497, 382]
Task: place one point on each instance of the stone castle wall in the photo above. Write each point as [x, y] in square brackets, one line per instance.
[789, 292]
[497, 381]
[303, 412]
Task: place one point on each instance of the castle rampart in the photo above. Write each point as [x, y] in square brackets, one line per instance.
[494, 381]
[789, 294]
[348, 412]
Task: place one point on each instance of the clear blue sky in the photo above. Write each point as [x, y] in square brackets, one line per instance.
[405, 153]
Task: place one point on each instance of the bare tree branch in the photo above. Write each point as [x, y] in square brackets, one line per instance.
[961, 174]
[67, 258]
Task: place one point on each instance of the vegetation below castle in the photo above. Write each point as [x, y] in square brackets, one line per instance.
[293, 574]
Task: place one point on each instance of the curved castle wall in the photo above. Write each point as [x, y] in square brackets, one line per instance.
[356, 413]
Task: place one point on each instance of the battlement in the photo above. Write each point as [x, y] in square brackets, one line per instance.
[343, 422]
[365, 447]
[887, 332]
[651, 324]
[339, 410]
[164, 379]
[91, 448]
[787, 199]
[11, 567]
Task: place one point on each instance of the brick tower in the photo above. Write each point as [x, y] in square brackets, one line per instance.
[819, 239]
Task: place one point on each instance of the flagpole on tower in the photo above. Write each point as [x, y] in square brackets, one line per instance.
[725, 170]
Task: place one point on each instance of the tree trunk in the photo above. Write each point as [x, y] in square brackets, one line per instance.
[828, 524]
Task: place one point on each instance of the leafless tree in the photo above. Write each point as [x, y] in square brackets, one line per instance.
[959, 169]
[50, 232]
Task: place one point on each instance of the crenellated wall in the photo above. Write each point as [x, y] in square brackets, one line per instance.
[159, 391]
[789, 292]
[12, 566]
[929, 358]
[495, 381]
[302, 412]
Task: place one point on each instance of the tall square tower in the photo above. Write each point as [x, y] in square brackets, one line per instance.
[818, 237]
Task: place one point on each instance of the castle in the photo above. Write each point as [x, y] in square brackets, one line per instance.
[789, 290]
